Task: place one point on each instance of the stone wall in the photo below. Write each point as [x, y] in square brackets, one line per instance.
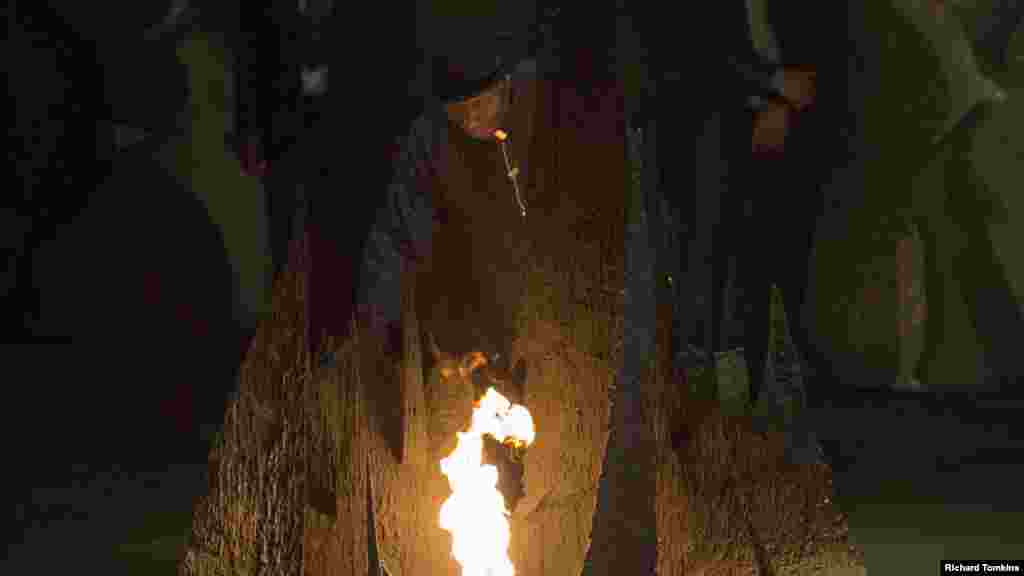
[288, 472]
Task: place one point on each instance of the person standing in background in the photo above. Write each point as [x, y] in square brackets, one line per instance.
[734, 80]
[783, 150]
[761, 69]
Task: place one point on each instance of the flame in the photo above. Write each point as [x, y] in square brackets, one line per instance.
[475, 513]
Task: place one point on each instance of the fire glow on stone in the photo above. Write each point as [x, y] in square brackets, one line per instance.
[476, 514]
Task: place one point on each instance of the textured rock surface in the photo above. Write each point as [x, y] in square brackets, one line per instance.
[726, 501]
[287, 475]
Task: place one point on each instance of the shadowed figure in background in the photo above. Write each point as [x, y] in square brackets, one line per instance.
[782, 151]
[117, 251]
[745, 200]
[135, 345]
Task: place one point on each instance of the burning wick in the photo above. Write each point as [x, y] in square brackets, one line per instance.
[513, 173]
[475, 513]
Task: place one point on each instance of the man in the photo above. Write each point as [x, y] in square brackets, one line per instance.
[474, 88]
[742, 104]
[782, 151]
[735, 81]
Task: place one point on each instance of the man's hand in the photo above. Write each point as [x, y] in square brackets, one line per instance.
[771, 124]
[798, 87]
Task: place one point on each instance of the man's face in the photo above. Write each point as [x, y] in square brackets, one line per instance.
[480, 115]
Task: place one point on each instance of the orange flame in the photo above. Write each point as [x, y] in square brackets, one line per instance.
[475, 513]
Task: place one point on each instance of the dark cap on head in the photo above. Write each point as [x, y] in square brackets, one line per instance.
[464, 75]
[468, 54]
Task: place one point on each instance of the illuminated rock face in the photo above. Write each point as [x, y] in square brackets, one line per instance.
[542, 291]
[476, 513]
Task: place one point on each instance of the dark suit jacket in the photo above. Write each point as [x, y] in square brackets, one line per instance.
[816, 35]
[729, 59]
[808, 35]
